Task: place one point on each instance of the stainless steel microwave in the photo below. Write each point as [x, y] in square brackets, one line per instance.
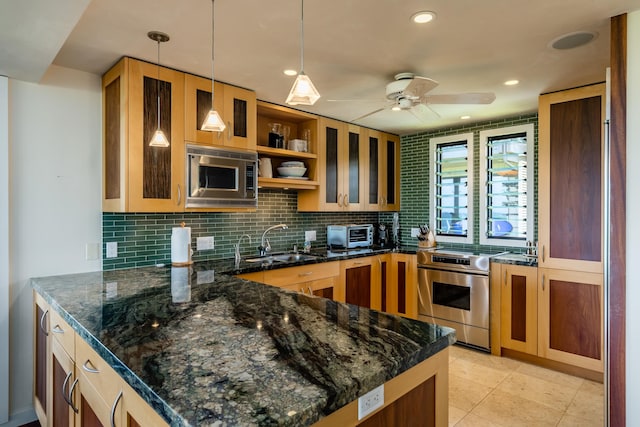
[221, 177]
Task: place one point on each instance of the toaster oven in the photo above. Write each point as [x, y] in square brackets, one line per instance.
[349, 236]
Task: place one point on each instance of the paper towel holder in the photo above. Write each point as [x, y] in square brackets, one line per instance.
[181, 257]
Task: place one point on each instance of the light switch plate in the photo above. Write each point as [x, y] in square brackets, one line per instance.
[310, 236]
[112, 249]
[204, 243]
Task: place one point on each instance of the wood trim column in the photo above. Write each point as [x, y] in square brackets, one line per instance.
[617, 227]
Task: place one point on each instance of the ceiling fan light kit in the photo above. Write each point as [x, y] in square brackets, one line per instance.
[213, 122]
[159, 139]
[303, 92]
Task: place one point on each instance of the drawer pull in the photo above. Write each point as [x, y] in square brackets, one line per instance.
[112, 415]
[308, 273]
[70, 401]
[88, 369]
[44, 329]
[57, 329]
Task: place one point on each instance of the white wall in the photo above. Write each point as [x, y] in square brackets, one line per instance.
[633, 225]
[4, 249]
[55, 198]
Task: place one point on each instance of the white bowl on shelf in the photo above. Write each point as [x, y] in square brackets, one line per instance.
[291, 171]
[292, 164]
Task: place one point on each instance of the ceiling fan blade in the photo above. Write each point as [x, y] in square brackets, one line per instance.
[461, 98]
[368, 114]
[419, 86]
[356, 100]
[423, 112]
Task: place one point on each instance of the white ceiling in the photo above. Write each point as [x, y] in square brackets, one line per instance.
[353, 48]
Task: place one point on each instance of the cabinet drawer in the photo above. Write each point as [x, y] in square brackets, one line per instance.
[96, 370]
[63, 333]
[302, 273]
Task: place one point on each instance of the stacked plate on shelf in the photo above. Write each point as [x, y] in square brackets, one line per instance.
[292, 169]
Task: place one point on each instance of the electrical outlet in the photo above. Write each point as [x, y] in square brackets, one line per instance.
[310, 236]
[370, 401]
[112, 249]
[415, 232]
[204, 243]
[91, 251]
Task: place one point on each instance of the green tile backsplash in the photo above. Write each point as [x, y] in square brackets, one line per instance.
[145, 239]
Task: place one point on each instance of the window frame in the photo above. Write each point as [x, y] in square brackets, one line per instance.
[485, 135]
[433, 145]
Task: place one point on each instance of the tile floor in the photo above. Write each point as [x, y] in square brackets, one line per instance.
[486, 390]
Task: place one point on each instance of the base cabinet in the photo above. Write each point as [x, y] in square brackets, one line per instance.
[402, 285]
[570, 318]
[41, 366]
[313, 279]
[519, 308]
[362, 281]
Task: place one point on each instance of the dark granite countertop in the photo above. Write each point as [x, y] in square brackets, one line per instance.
[516, 259]
[206, 348]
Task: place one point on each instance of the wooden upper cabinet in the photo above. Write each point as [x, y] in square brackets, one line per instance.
[137, 177]
[382, 170]
[391, 148]
[570, 173]
[236, 106]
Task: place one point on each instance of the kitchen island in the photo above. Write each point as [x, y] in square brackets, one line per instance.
[207, 348]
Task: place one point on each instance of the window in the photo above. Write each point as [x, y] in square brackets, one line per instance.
[506, 186]
[452, 188]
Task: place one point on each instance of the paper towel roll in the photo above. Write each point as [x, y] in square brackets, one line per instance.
[181, 245]
[180, 284]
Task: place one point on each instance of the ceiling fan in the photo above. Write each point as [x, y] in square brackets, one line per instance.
[409, 92]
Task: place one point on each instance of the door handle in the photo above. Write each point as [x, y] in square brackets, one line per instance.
[64, 387]
[179, 195]
[542, 253]
[229, 135]
[543, 282]
[310, 290]
[42, 327]
[112, 415]
[505, 278]
[70, 401]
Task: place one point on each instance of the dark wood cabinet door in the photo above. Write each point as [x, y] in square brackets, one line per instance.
[331, 164]
[358, 286]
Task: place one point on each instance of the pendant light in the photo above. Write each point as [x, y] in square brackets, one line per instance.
[303, 92]
[159, 139]
[213, 122]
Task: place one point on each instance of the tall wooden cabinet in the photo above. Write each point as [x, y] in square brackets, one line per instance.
[570, 226]
[137, 177]
[570, 179]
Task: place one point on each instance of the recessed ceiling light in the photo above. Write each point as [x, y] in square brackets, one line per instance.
[290, 72]
[465, 117]
[511, 82]
[423, 17]
[573, 40]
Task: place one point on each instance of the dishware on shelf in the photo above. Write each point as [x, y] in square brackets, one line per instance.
[292, 164]
[276, 139]
[298, 145]
[264, 168]
[291, 171]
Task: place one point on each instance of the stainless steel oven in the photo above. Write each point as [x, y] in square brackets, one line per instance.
[453, 291]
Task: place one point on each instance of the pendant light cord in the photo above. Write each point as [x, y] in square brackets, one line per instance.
[158, 83]
[212, 48]
[302, 37]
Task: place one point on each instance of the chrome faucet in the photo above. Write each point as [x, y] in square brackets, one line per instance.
[264, 242]
[237, 248]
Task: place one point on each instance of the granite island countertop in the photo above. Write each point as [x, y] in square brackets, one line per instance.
[206, 348]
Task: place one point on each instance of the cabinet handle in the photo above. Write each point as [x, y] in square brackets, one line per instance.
[358, 263]
[543, 282]
[505, 278]
[57, 329]
[542, 253]
[64, 388]
[308, 273]
[310, 290]
[42, 327]
[70, 401]
[88, 369]
[112, 415]
[229, 135]
[179, 195]
[345, 200]
[340, 200]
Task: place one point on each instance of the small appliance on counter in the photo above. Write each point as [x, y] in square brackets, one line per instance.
[381, 236]
[349, 236]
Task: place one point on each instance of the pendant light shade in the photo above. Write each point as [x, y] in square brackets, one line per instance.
[213, 122]
[159, 139]
[303, 92]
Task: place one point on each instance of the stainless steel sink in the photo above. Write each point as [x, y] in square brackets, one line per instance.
[282, 258]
